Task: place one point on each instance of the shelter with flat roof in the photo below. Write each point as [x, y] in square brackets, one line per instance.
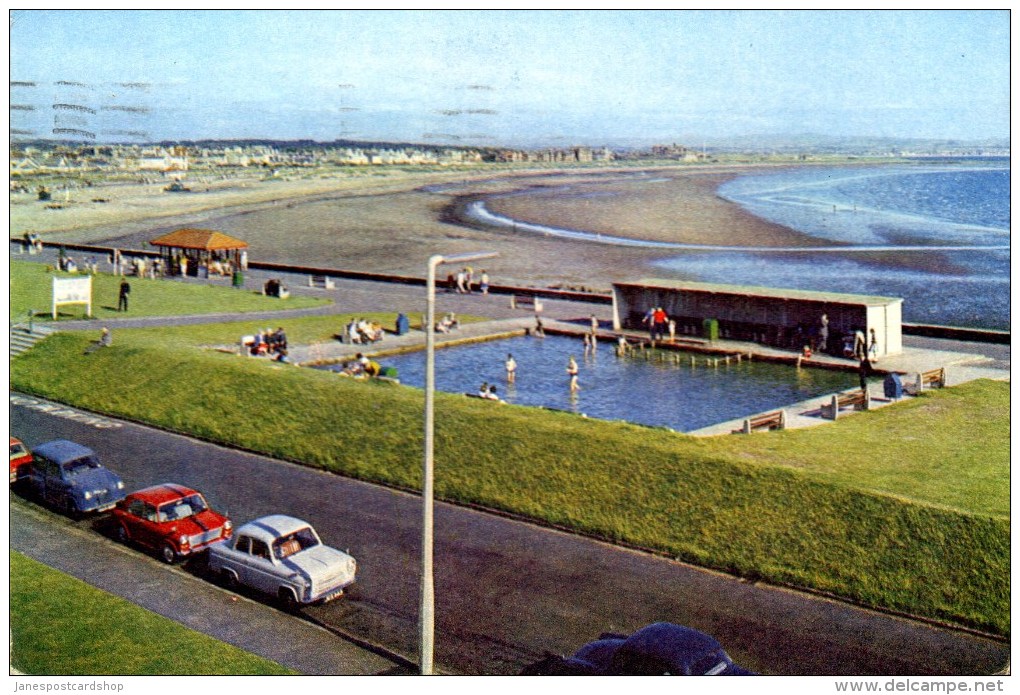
[202, 248]
[785, 318]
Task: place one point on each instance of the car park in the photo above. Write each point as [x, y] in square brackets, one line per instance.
[656, 649]
[21, 461]
[172, 520]
[283, 557]
[70, 477]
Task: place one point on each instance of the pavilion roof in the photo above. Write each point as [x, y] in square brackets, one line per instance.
[205, 239]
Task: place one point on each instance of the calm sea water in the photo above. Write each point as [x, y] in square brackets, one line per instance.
[936, 235]
[648, 392]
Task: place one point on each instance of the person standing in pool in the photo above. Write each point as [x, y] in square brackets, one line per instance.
[511, 369]
[572, 372]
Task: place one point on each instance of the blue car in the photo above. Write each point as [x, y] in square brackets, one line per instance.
[69, 477]
[655, 650]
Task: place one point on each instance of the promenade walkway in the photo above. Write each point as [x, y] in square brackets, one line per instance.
[963, 361]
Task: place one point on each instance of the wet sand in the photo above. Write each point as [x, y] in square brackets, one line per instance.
[392, 222]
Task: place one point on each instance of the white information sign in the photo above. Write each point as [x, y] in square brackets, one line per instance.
[72, 291]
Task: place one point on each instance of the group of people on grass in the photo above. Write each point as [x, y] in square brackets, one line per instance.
[361, 367]
[448, 323]
[361, 331]
[271, 343]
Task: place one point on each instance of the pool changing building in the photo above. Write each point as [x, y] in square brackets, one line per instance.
[783, 318]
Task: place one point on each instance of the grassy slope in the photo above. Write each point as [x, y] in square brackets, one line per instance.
[719, 502]
[51, 634]
[31, 288]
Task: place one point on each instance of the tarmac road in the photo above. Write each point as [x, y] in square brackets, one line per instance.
[506, 590]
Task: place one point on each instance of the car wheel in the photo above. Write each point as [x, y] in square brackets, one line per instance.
[167, 554]
[228, 580]
[287, 600]
[70, 509]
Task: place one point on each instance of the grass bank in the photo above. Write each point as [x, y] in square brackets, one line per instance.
[795, 507]
[53, 636]
[32, 288]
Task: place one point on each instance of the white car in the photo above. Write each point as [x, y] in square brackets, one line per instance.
[283, 557]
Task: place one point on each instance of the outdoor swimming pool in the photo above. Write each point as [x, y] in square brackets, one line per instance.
[638, 390]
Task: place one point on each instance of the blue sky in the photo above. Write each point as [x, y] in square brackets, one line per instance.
[514, 77]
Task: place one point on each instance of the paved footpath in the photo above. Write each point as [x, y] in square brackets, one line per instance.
[255, 627]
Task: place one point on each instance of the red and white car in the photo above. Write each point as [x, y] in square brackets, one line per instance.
[172, 520]
[21, 461]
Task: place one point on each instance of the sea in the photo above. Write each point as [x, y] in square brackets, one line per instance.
[932, 232]
[935, 233]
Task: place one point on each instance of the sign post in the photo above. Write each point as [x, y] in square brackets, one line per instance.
[72, 291]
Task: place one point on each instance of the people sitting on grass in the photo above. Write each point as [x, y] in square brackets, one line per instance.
[364, 331]
[277, 340]
[448, 323]
[105, 340]
[361, 367]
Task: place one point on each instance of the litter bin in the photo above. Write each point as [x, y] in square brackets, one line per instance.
[710, 329]
[403, 325]
[893, 386]
[238, 278]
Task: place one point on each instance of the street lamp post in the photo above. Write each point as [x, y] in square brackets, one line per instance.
[427, 615]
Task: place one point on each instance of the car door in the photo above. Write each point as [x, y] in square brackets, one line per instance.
[262, 571]
[142, 518]
[54, 486]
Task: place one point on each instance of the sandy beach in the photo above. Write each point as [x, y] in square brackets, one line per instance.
[393, 221]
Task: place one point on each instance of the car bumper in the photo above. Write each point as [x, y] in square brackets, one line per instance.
[201, 548]
[331, 595]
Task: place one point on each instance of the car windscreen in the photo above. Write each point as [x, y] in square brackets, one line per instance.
[81, 465]
[182, 508]
[303, 539]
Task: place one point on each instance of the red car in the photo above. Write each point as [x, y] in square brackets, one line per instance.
[173, 520]
[21, 460]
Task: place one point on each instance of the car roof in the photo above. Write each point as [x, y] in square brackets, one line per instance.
[15, 440]
[62, 450]
[671, 642]
[164, 492]
[269, 528]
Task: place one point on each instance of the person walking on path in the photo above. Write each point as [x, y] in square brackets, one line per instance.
[122, 299]
[484, 282]
[572, 372]
[864, 371]
[823, 334]
[511, 369]
[873, 347]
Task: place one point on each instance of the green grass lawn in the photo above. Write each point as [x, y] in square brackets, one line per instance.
[32, 288]
[53, 636]
[892, 508]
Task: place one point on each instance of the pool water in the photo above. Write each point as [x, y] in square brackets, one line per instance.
[634, 389]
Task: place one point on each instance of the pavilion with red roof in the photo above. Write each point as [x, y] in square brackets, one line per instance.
[201, 249]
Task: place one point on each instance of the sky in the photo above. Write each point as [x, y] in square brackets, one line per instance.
[520, 78]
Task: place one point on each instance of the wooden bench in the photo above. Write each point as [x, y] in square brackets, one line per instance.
[324, 281]
[525, 301]
[858, 400]
[934, 378]
[776, 420]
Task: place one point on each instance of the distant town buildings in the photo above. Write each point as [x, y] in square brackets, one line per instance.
[175, 161]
